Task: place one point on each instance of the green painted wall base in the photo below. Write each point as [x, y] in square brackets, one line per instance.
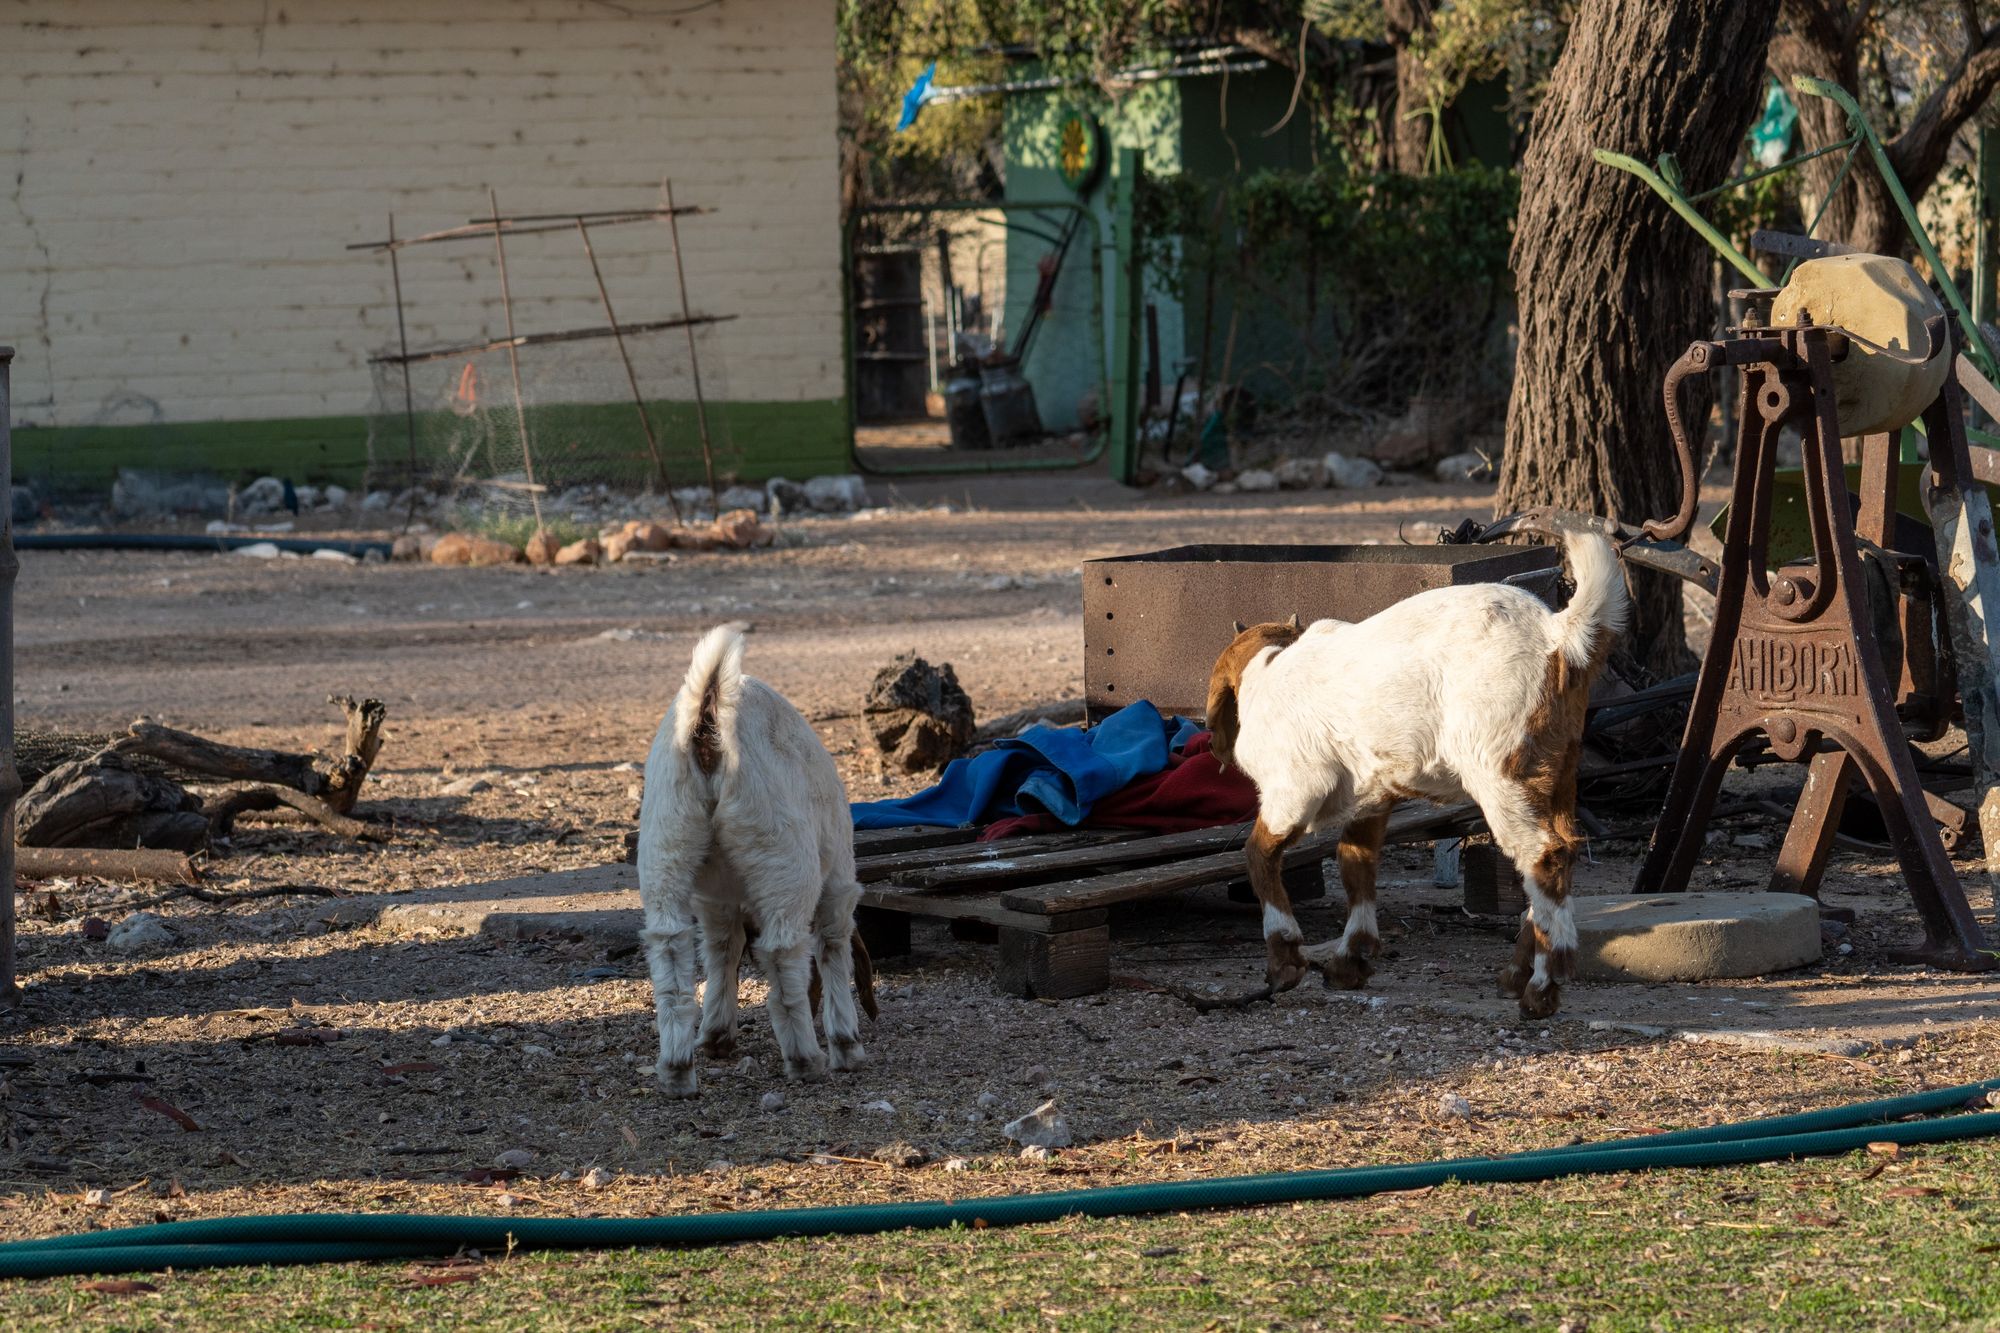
[574, 443]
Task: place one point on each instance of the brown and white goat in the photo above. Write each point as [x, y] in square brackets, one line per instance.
[1475, 692]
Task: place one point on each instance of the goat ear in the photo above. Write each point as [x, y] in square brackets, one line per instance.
[1294, 621]
[1222, 724]
[1240, 626]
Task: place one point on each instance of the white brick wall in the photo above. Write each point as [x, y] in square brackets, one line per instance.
[178, 179]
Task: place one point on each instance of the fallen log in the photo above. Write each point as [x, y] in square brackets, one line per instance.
[334, 780]
[131, 865]
[89, 801]
[222, 811]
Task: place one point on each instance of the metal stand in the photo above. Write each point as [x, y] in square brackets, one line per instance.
[1795, 655]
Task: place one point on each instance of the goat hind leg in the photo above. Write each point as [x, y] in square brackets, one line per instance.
[722, 959]
[837, 1007]
[1541, 842]
[670, 950]
[1352, 961]
[1285, 964]
[787, 964]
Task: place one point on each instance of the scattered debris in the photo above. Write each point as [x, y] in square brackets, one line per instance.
[920, 716]
[1042, 1127]
[139, 931]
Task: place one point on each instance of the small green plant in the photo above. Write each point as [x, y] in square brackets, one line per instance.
[515, 529]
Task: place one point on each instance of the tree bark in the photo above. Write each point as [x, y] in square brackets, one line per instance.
[1408, 133]
[1611, 286]
[1826, 39]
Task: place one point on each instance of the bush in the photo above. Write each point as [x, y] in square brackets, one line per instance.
[1380, 287]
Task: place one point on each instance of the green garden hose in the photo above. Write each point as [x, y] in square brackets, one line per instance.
[306, 1238]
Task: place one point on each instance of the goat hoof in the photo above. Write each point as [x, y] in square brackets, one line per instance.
[847, 1054]
[1350, 972]
[677, 1083]
[809, 1070]
[1540, 1001]
[720, 1046]
[1281, 977]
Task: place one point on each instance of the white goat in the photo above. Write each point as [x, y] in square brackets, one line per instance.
[1475, 692]
[744, 832]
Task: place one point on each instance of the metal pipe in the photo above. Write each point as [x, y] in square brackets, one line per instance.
[694, 358]
[631, 378]
[10, 778]
[514, 359]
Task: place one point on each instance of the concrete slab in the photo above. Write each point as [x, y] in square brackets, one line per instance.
[600, 903]
[1694, 936]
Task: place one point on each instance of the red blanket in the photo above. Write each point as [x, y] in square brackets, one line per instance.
[1193, 791]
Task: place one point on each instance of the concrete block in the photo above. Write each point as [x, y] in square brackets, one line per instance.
[1694, 936]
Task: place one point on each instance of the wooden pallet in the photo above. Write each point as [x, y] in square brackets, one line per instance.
[1046, 900]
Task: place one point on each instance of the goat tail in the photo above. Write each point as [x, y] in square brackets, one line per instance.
[1597, 612]
[705, 709]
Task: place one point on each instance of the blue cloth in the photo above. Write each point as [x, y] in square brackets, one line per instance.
[1060, 771]
[913, 100]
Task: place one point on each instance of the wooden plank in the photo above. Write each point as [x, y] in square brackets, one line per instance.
[1411, 825]
[1041, 966]
[876, 841]
[1058, 865]
[982, 909]
[873, 869]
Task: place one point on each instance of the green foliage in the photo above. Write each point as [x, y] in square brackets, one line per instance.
[1393, 283]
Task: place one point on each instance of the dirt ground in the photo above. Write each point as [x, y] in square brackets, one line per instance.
[321, 1065]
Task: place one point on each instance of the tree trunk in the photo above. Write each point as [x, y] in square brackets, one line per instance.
[1611, 285]
[1814, 42]
[1408, 133]
[1828, 41]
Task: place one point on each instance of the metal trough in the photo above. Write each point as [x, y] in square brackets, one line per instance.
[1153, 624]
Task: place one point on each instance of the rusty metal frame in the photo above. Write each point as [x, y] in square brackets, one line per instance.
[1794, 654]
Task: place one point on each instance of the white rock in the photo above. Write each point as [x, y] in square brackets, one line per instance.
[266, 495]
[336, 557]
[1468, 466]
[307, 496]
[957, 1164]
[465, 786]
[258, 551]
[1036, 1152]
[1257, 479]
[216, 527]
[1454, 1107]
[744, 497]
[720, 1166]
[539, 1052]
[837, 495]
[515, 1159]
[772, 1101]
[140, 930]
[1351, 473]
[880, 1106]
[375, 500]
[1197, 476]
[596, 1178]
[97, 1198]
[334, 497]
[1042, 1127]
[627, 767]
[1299, 474]
[747, 1065]
[987, 1101]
